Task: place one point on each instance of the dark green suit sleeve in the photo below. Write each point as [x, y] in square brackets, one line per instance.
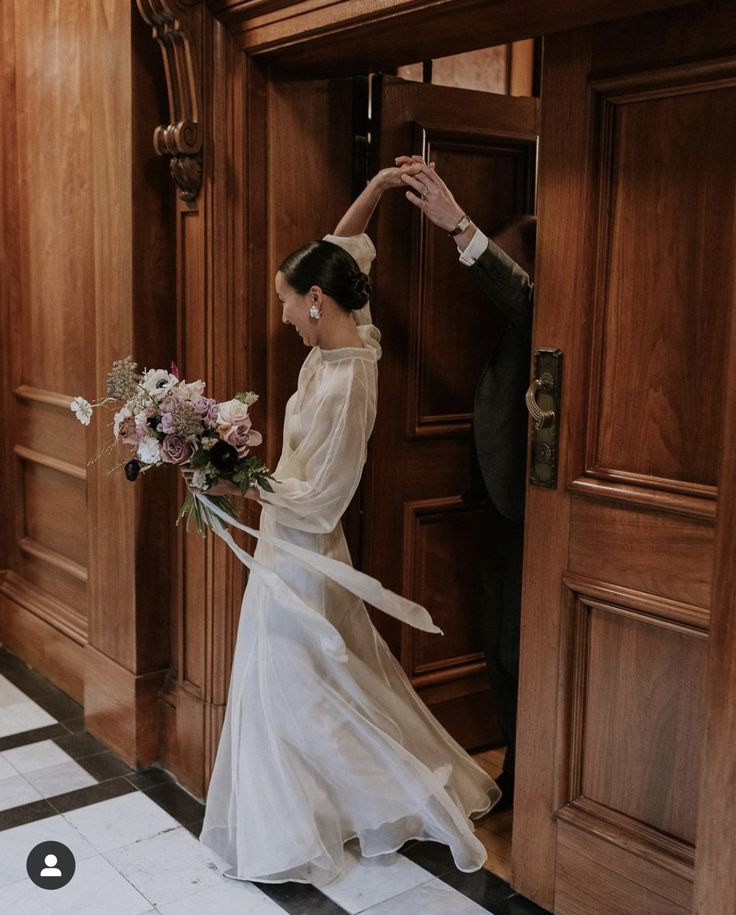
[506, 283]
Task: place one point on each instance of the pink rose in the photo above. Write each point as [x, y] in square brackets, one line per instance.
[176, 450]
[242, 437]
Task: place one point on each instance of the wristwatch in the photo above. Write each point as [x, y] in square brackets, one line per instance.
[461, 226]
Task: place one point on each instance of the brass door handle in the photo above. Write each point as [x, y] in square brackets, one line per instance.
[547, 384]
[540, 417]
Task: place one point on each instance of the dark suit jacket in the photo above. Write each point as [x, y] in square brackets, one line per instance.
[500, 419]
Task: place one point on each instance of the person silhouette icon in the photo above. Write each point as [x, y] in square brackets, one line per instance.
[50, 870]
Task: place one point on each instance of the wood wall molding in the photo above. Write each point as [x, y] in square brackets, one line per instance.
[47, 460]
[41, 636]
[117, 690]
[39, 395]
[181, 138]
[321, 36]
[45, 606]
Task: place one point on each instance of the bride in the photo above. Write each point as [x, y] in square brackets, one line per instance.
[324, 738]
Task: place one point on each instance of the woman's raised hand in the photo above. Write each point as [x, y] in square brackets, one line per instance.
[392, 176]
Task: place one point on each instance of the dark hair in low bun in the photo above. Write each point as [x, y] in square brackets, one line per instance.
[327, 265]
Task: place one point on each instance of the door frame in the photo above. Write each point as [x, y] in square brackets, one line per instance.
[318, 38]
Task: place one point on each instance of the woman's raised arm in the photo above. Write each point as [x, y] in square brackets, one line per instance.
[359, 213]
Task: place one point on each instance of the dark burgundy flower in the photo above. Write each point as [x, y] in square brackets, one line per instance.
[223, 456]
[132, 469]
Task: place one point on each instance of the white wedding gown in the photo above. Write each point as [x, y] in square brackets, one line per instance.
[324, 738]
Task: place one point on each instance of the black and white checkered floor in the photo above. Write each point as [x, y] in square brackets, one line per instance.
[133, 835]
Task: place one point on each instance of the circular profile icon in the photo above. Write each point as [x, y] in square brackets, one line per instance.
[50, 865]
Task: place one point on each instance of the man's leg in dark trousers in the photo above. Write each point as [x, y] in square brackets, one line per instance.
[500, 555]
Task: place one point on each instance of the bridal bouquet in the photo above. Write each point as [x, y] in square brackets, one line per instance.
[166, 420]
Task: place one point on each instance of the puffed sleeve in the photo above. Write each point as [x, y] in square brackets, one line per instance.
[332, 453]
[363, 251]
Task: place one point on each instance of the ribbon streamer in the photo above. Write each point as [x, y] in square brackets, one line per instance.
[364, 586]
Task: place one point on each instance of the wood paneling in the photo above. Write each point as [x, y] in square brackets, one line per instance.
[443, 579]
[641, 746]
[660, 357]
[593, 876]
[635, 286]
[35, 636]
[86, 279]
[660, 554]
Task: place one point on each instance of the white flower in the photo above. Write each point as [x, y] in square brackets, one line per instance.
[190, 390]
[149, 450]
[158, 382]
[249, 398]
[82, 410]
[231, 412]
[199, 480]
[123, 413]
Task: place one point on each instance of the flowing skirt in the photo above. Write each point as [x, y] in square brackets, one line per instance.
[315, 750]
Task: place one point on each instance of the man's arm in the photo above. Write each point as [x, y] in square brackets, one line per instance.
[508, 285]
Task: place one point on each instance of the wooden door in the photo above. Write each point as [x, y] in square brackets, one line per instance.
[419, 535]
[635, 285]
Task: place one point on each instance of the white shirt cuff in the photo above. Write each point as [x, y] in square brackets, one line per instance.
[477, 245]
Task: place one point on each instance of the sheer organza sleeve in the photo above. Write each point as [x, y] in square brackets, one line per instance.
[363, 251]
[332, 453]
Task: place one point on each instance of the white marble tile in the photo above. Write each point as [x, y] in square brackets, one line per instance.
[232, 897]
[170, 866]
[15, 791]
[9, 692]
[37, 755]
[23, 715]
[368, 881]
[65, 776]
[95, 887]
[6, 770]
[120, 821]
[16, 844]
[432, 898]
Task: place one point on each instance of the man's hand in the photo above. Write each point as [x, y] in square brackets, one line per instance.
[432, 197]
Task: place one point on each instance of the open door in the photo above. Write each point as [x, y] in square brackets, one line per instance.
[635, 287]
[419, 533]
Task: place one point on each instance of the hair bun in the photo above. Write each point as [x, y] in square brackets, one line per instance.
[361, 288]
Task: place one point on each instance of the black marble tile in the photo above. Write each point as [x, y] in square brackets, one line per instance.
[80, 744]
[176, 801]
[148, 777]
[300, 898]
[483, 887]
[82, 797]
[75, 724]
[196, 827]
[432, 856]
[519, 905]
[49, 731]
[57, 703]
[104, 765]
[26, 813]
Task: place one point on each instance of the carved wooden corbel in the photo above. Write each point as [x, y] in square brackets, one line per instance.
[182, 138]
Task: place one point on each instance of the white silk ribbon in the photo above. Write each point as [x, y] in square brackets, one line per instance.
[364, 586]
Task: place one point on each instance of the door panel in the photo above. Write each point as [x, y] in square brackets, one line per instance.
[635, 285]
[419, 536]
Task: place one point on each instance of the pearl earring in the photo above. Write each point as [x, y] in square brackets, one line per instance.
[314, 312]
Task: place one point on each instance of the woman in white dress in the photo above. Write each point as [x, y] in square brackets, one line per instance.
[324, 738]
